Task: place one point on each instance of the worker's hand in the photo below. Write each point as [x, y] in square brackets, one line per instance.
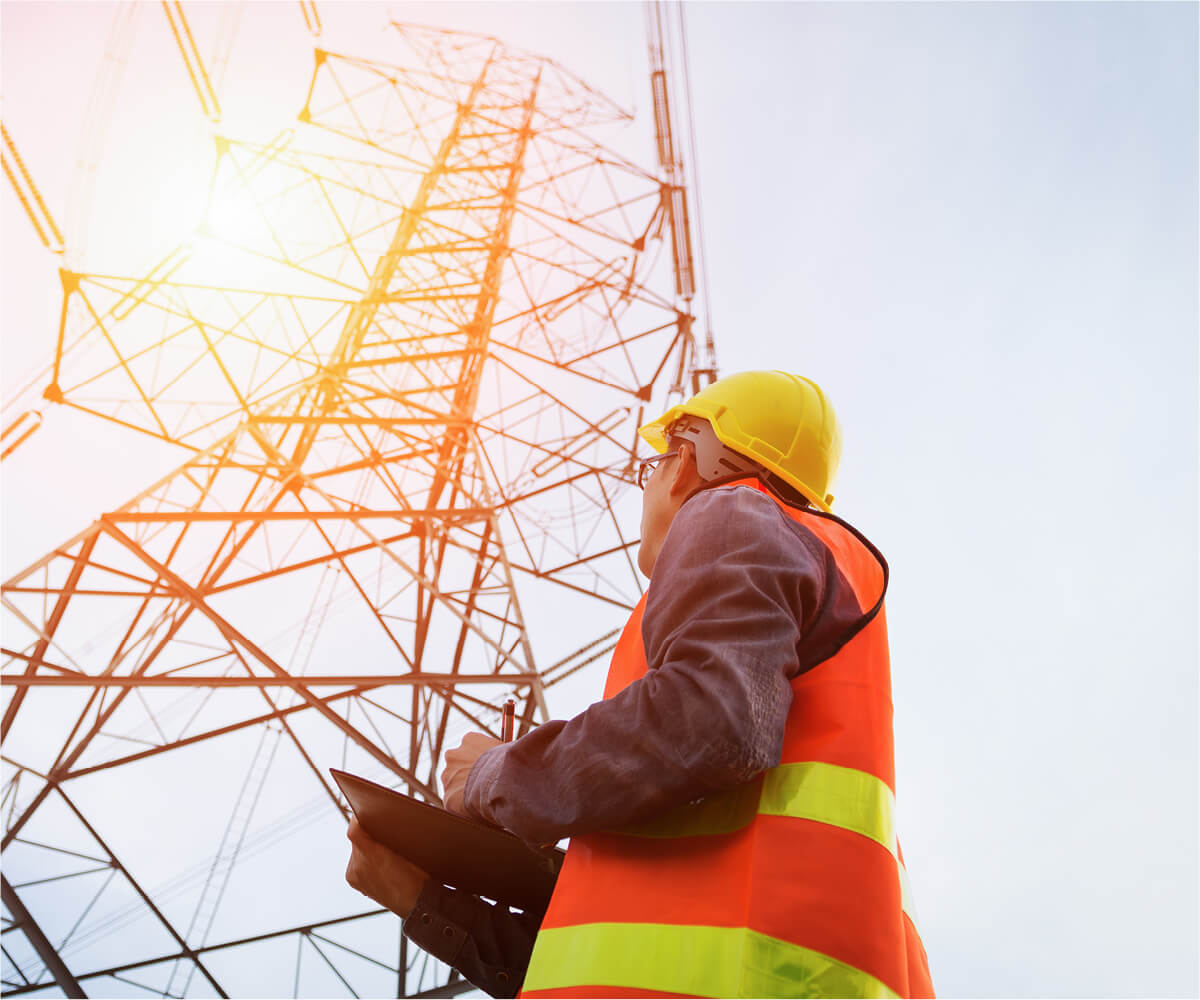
[381, 873]
[459, 762]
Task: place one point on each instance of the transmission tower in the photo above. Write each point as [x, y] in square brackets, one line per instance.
[406, 433]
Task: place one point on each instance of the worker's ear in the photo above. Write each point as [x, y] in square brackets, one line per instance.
[685, 475]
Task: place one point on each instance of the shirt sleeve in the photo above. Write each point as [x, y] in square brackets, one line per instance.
[724, 617]
[488, 944]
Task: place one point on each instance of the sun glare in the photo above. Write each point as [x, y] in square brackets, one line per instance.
[239, 219]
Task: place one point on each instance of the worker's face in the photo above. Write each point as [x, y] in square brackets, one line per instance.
[667, 486]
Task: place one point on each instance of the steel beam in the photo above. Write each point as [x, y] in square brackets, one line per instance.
[297, 683]
[41, 944]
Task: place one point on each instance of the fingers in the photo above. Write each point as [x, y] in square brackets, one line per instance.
[380, 874]
[356, 868]
[454, 783]
[473, 744]
[354, 872]
[450, 785]
[459, 762]
[360, 854]
[357, 835]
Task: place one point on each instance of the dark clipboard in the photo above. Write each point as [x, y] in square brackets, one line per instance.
[458, 852]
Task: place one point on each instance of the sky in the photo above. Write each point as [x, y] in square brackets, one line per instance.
[975, 225]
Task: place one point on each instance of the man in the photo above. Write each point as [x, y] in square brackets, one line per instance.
[730, 800]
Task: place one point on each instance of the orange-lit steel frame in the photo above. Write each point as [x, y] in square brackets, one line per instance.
[419, 416]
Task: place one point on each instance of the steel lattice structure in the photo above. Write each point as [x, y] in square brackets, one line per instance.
[408, 430]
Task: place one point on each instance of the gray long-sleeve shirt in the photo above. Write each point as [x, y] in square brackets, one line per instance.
[743, 599]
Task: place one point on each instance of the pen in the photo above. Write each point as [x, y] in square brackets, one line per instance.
[506, 721]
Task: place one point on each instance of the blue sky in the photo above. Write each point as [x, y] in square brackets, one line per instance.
[976, 226]
[978, 222]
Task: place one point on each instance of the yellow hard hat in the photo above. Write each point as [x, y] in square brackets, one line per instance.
[781, 421]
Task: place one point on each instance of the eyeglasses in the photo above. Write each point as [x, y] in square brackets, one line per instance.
[647, 463]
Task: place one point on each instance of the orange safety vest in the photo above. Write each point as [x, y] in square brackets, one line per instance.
[791, 885]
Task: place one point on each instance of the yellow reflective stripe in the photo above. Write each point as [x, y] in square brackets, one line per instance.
[699, 961]
[840, 796]
[828, 793]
